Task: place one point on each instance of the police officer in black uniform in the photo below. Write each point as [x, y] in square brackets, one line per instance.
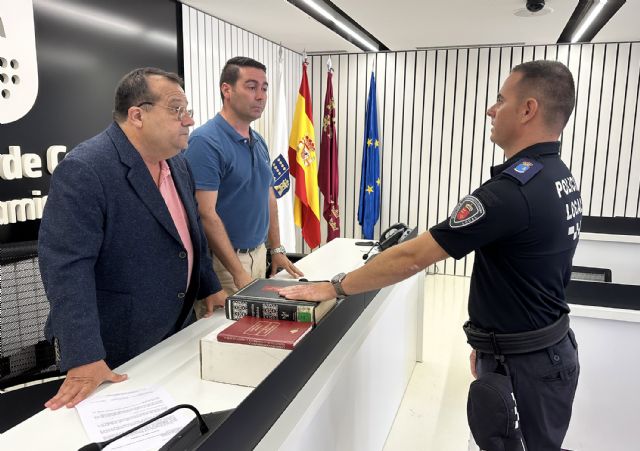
[523, 224]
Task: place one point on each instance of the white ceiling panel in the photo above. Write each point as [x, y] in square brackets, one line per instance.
[276, 20]
[409, 24]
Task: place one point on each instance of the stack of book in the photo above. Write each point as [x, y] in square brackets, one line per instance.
[266, 328]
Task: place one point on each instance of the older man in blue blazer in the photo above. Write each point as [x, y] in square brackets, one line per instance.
[122, 252]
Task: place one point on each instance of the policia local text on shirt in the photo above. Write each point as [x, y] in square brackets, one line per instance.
[523, 224]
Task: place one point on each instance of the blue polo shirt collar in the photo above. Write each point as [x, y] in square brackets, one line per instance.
[232, 132]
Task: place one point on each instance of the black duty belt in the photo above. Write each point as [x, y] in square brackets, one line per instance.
[516, 343]
[246, 250]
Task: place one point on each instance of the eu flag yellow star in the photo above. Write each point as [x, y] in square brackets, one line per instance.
[378, 181]
[369, 189]
[369, 142]
[377, 144]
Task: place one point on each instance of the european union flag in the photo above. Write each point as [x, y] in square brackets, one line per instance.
[369, 208]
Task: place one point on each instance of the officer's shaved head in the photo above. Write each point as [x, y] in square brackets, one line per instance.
[551, 84]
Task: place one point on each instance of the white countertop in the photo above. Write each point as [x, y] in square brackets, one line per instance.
[633, 239]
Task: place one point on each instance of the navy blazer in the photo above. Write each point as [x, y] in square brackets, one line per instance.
[112, 262]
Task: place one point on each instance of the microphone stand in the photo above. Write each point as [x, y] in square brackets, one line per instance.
[375, 245]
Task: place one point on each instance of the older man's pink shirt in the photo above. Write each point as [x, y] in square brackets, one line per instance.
[177, 211]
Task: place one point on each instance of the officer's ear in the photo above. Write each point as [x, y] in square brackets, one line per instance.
[529, 110]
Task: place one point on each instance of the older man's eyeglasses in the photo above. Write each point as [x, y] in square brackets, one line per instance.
[180, 111]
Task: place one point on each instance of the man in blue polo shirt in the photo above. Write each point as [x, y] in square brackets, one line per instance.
[231, 167]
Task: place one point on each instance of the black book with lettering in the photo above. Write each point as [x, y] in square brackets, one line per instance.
[261, 299]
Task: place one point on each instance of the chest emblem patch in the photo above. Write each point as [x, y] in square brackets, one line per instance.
[468, 211]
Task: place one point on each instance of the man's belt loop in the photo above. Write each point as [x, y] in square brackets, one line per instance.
[496, 348]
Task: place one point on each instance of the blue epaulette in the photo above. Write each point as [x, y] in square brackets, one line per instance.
[523, 170]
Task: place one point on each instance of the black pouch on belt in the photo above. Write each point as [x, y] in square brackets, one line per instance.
[493, 414]
[492, 411]
[491, 406]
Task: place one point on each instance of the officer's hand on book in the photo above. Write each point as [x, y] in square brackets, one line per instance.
[322, 291]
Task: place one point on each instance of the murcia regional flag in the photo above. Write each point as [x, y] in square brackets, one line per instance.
[303, 163]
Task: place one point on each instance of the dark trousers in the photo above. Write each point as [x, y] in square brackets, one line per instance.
[544, 384]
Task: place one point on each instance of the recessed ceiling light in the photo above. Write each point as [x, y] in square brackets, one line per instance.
[328, 14]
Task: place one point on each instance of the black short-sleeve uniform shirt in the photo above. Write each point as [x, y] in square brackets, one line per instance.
[524, 225]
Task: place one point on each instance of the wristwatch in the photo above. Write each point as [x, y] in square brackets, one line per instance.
[336, 281]
[278, 250]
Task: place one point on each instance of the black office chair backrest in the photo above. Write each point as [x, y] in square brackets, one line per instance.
[25, 355]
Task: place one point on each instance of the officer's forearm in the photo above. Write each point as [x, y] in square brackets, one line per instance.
[395, 264]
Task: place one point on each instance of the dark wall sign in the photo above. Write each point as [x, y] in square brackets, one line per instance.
[82, 49]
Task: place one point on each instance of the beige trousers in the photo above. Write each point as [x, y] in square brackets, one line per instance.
[254, 263]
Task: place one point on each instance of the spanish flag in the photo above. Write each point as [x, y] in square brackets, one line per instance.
[303, 163]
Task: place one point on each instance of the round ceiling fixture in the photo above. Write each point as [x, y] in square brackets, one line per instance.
[524, 12]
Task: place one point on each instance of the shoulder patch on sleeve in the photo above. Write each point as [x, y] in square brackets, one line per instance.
[523, 170]
[468, 211]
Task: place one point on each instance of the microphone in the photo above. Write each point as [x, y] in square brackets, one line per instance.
[96, 446]
[375, 245]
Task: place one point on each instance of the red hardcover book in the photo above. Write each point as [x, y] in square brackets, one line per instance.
[254, 331]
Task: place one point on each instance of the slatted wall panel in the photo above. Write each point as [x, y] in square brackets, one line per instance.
[435, 134]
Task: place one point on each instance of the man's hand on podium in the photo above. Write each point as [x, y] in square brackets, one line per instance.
[81, 381]
[280, 262]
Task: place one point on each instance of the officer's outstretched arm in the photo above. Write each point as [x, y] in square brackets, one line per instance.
[391, 266]
[395, 264]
